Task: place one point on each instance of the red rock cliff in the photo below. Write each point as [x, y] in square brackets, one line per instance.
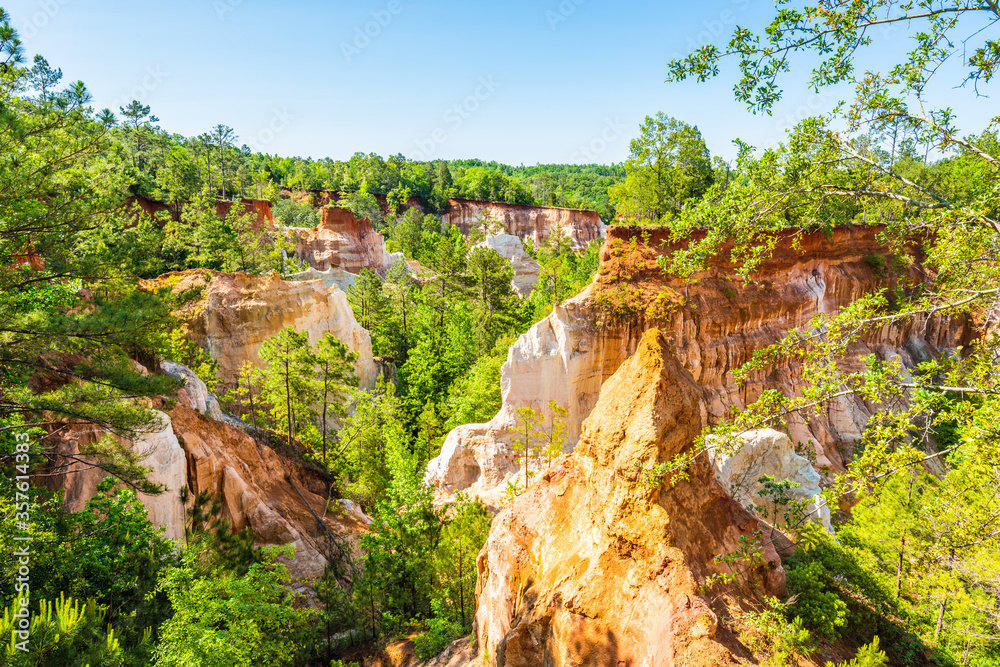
[342, 241]
[570, 354]
[527, 222]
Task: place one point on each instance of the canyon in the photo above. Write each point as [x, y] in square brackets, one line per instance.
[526, 222]
[715, 323]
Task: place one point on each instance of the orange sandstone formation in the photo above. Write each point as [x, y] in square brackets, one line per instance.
[234, 314]
[594, 566]
[342, 241]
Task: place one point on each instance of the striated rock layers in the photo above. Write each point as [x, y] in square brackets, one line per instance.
[569, 355]
[592, 565]
[527, 222]
[342, 241]
[235, 313]
[526, 270]
[256, 487]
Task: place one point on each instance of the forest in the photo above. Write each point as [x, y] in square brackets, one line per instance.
[911, 576]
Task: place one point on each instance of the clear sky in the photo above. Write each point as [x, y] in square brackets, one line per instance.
[519, 81]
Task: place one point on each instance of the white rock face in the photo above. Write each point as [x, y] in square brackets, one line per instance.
[353, 510]
[163, 453]
[332, 276]
[526, 270]
[561, 358]
[768, 452]
[194, 394]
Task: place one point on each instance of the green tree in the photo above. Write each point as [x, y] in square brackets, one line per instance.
[399, 544]
[288, 385]
[668, 165]
[224, 620]
[527, 438]
[335, 365]
[463, 534]
[555, 433]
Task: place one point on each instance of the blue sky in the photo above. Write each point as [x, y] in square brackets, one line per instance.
[519, 81]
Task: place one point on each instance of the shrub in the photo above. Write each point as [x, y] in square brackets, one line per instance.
[820, 608]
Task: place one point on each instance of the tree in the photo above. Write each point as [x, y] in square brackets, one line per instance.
[222, 620]
[527, 438]
[288, 384]
[60, 300]
[555, 434]
[668, 165]
[491, 276]
[335, 365]
[463, 534]
[399, 544]
[138, 123]
[225, 136]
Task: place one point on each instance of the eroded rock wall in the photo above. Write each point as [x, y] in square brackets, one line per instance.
[281, 502]
[527, 222]
[715, 324]
[341, 241]
[235, 313]
[592, 566]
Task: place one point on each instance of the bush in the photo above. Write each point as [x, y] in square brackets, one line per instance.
[440, 632]
[821, 609]
[773, 637]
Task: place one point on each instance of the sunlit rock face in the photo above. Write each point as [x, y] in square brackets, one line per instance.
[159, 450]
[233, 314]
[715, 322]
[283, 503]
[342, 241]
[740, 468]
[594, 566]
[335, 276]
[526, 270]
[527, 222]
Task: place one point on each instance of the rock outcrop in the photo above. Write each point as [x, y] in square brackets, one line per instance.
[335, 276]
[234, 314]
[527, 222]
[768, 453]
[277, 499]
[160, 451]
[526, 270]
[716, 322]
[342, 241]
[281, 502]
[595, 566]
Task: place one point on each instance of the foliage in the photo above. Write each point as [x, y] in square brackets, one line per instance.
[668, 165]
[63, 633]
[768, 633]
[227, 620]
[463, 534]
[441, 632]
